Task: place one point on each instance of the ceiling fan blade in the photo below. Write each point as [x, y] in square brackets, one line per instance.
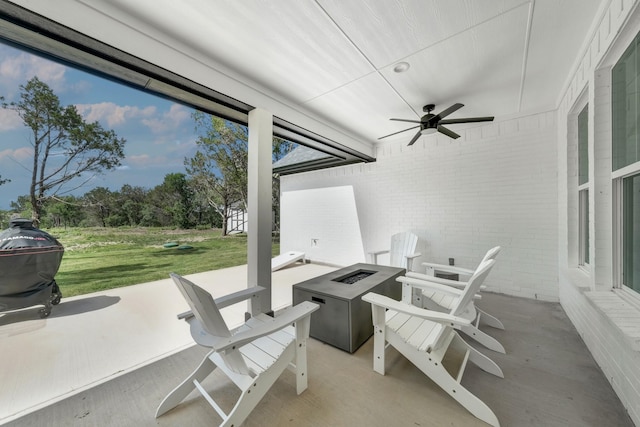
[405, 120]
[467, 120]
[445, 113]
[448, 132]
[414, 139]
[400, 131]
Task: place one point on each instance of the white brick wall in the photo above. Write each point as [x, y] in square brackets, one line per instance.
[608, 324]
[496, 185]
[610, 347]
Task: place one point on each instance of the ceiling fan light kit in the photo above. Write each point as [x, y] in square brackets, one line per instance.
[431, 123]
[428, 131]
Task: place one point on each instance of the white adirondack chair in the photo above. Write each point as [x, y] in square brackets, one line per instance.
[426, 337]
[449, 297]
[402, 251]
[253, 356]
[434, 300]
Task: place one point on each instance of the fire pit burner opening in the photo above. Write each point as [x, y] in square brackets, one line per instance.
[354, 276]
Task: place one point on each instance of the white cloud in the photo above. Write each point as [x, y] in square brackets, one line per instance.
[139, 160]
[9, 120]
[118, 115]
[19, 154]
[170, 120]
[17, 67]
[165, 160]
[113, 114]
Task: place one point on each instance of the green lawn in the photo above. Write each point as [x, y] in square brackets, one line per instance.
[98, 259]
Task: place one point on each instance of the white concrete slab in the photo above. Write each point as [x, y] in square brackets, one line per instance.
[93, 338]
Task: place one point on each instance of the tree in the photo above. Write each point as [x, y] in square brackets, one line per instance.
[99, 203]
[213, 188]
[218, 170]
[281, 148]
[67, 151]
[177, 198]
[4, 181]
[22, 206]
[132, 202]
[66, 211]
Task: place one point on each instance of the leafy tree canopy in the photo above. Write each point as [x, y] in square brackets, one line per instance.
[67, 150]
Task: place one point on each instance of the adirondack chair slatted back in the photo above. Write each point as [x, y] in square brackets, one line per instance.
[402, 244]
[473, 287]
[207, 313]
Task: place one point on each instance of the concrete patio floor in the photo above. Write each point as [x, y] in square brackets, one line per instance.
[108, 359]
[96, 337]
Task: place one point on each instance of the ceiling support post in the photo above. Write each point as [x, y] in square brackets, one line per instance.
[259, 208]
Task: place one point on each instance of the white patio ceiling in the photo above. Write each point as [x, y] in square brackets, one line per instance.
[328, 65]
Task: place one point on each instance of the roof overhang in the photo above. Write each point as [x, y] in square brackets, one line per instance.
[42, 36]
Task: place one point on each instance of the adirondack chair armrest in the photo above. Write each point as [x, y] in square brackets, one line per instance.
[429, 286]
[459, 285]
[284, 319]
[227, 300]
[236, 297]
[454, 283]
[186, 315]
[449, 268]
[410, 258]
[386, 251]
[374, 255]
[412, 310]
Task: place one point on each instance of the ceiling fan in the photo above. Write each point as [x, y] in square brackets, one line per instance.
[431, 123]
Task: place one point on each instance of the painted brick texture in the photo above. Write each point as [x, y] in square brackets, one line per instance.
[496, 185]
[606, 321]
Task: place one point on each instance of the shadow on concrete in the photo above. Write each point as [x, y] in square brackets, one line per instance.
[83, 305]
[66, 308]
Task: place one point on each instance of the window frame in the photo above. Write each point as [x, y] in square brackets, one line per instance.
[584, 255]
[583, 187]
[618, 178]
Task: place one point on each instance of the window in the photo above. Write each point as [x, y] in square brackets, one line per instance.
[625, 97]
[631, 232]
[625, 101]
[583, 188]
[583, 224]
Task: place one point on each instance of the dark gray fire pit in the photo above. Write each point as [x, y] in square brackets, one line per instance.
[344, 320]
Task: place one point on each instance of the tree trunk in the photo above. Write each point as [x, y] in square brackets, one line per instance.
[225, 221]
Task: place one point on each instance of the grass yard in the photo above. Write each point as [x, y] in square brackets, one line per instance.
[98, 259]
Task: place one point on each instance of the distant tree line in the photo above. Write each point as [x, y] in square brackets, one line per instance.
[170, 204]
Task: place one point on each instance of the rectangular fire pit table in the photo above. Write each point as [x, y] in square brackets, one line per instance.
[344, 320]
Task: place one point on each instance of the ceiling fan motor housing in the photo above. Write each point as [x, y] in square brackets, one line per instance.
[427, 123]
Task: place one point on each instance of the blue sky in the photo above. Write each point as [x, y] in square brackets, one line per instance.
[159, 133]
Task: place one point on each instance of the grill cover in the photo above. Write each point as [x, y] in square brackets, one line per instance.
[29, 260]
